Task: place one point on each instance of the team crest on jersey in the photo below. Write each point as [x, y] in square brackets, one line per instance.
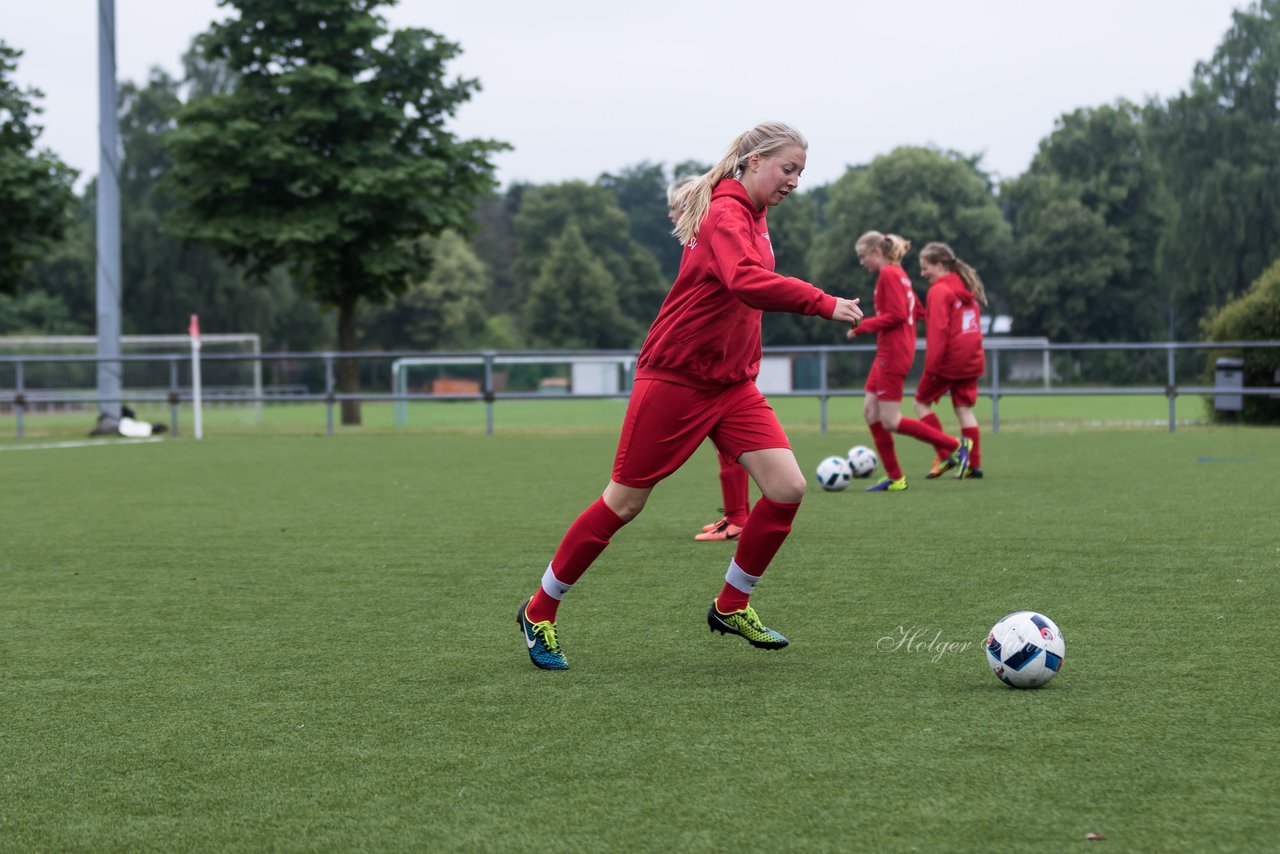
[969, 320]
[765, 235]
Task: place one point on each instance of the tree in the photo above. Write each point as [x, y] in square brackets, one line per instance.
[1087, 217]
[546, 214]
[793, 226]
[36, 313]
[330, 155]
[169, 279]
[1065, 256]
[641, 193]
[65, 274]
[494, 244]
[1254, 316]
[921, 194]
[445, 311]
[37, 194]
[573, 302]
[1219, 145]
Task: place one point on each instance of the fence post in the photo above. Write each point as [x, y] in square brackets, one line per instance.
[328, 393]
[173, 395]
[399, 388]
[1172, 391]
[19, 399]
[488, 392]
[197, 394]
[822, 386]
[257, 382]
[995, 391]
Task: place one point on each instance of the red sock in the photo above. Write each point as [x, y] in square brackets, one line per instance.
[975, 455]
[884, 447]
[762, 536]
[933, 421]
[919, 430]
[582, 544]
[733, 486]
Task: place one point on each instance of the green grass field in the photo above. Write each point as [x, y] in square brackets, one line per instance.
[265, 642]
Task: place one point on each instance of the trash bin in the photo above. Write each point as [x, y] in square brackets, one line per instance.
[1228, 375]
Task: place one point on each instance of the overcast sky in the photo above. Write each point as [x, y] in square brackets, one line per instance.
[581, 87]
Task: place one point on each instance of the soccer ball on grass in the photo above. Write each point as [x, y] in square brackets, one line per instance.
[834, 474]
[862, 460]
[1025, 649]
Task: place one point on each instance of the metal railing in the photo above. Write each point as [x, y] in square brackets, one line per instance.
[323, 386]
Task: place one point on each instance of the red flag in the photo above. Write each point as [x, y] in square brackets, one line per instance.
[194, 329]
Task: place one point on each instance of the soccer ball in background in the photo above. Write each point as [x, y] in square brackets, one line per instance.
[1025, 649]
[862, 460]
[834, 473]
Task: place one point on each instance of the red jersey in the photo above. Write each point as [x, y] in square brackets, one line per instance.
[953, 330]
[894, 322]
[707, 333]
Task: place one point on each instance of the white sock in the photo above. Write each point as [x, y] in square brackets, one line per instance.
[552, 586]
[738, 579]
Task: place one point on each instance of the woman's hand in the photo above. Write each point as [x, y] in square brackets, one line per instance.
[848, 311]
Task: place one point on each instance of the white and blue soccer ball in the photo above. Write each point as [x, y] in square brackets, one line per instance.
[1025, 649]
[862, 460]
[834, 473]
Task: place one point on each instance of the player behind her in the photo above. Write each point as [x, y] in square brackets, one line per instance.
[953, 356]
[894, 326]
[695, 379]
[733, 477]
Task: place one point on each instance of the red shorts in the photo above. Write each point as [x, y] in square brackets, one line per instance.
[666, 422]
[932, 387]
[884, 384]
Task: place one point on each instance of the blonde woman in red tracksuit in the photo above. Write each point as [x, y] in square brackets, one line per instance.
[894, 326]
[695, 378]
[953, 356]
[734, 490]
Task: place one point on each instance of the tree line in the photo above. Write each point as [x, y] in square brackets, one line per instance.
[300, 182]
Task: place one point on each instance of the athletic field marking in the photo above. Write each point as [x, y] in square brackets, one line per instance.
[89, 443]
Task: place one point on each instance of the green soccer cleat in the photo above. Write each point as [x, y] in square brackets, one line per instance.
[544, 648]
[954, 460]
[941, 465]
[972, 474]
[746, 624]
[965, 449]
[886, 484]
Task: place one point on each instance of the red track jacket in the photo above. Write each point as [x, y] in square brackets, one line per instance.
[894, 321]
[953, 331]
[707, 333]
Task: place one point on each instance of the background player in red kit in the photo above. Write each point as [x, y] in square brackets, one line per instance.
[695, 378]
[894, 326]
[733, 477]
[953, 356]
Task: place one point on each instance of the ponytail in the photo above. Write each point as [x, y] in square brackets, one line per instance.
[895, 248]
[971, 280]
[941, 253]
[694, 198]
[673, 191]
[892, 246]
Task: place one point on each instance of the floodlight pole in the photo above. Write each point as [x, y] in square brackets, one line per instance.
[108, 215]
